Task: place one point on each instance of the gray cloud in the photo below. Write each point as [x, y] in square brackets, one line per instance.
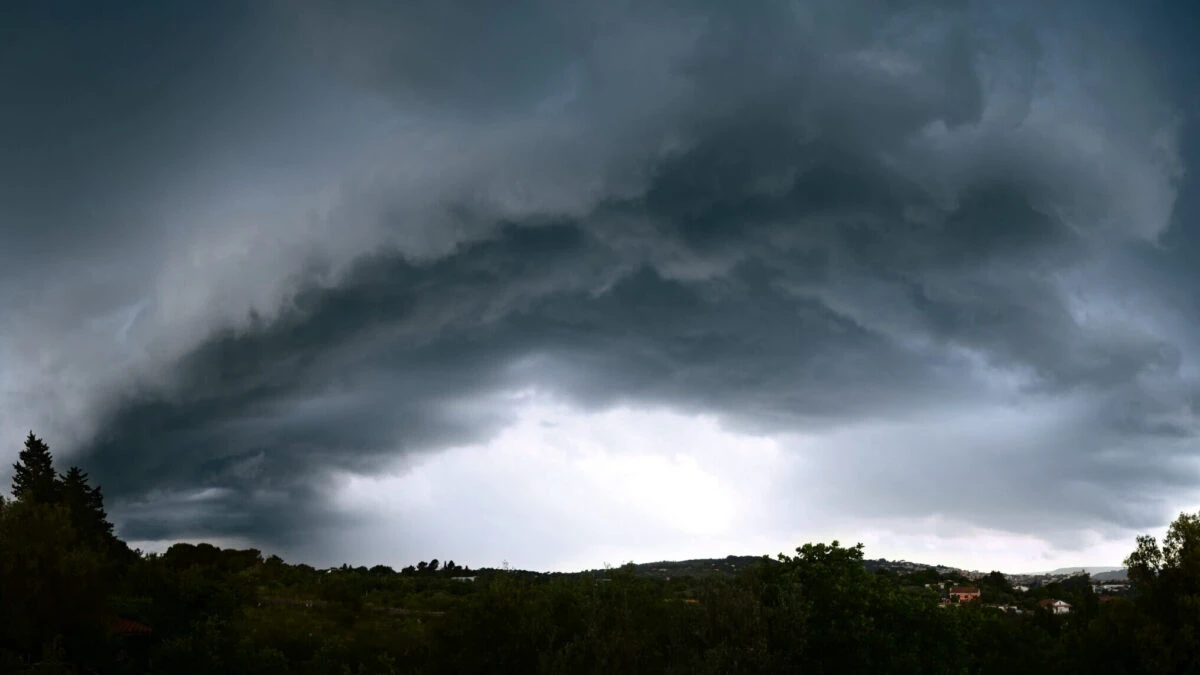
[810, 217]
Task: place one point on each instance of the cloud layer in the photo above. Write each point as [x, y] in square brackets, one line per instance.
[917, 246]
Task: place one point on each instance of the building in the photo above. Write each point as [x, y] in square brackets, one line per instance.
[1056, 606]
[127, 628]
[964, 593]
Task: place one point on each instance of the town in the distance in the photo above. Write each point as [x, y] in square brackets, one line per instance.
[1055, 591]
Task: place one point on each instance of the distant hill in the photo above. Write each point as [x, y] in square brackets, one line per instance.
[700, 567]
[731, 565]
[903, 566]
[1090, 570]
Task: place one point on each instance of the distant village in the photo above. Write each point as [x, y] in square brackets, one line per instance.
[1012, 593]
[1055, 592]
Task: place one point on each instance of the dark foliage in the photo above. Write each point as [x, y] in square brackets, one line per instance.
[73, 598]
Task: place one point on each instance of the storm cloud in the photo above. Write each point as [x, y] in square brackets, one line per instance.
[253, 252]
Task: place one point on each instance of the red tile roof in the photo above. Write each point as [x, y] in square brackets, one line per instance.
[128, 627]
[958, 590]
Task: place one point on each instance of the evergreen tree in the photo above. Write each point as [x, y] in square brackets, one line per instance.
[54, 587]
[34, 478]
[86, 506]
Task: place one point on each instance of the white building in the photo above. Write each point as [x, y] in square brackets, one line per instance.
[1056, 606]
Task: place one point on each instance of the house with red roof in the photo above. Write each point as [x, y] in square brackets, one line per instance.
[964, 593]
[127, 628]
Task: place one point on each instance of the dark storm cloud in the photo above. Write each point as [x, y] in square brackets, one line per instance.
[391, 361]
[457, 53]
[97, 102]
[382, 364]
[800, 217]
[124, 132]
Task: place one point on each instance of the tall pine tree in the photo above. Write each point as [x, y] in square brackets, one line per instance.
[86, 506]
[34, 479]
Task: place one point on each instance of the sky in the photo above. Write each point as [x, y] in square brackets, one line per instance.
[578, 282]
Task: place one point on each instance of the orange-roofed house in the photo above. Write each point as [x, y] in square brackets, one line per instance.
[126, 627]
[964, 593]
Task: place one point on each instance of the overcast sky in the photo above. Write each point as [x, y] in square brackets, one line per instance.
[568, 282]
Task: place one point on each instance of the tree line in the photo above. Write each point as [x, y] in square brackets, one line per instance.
[75, 599]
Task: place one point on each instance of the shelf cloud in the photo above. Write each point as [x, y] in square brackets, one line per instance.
[265, 262]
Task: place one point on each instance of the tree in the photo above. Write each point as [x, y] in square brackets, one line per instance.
[995, 588]
[86, 506]
[54, 587]
[1167, 580]
[1170, 572]
[34, 478]
[997, 580]
[838, 593]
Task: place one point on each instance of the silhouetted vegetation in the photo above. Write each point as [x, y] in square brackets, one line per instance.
[73, 598]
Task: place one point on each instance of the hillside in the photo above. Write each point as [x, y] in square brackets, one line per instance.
[699, 568]
[731, 565]
[1090, 570]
